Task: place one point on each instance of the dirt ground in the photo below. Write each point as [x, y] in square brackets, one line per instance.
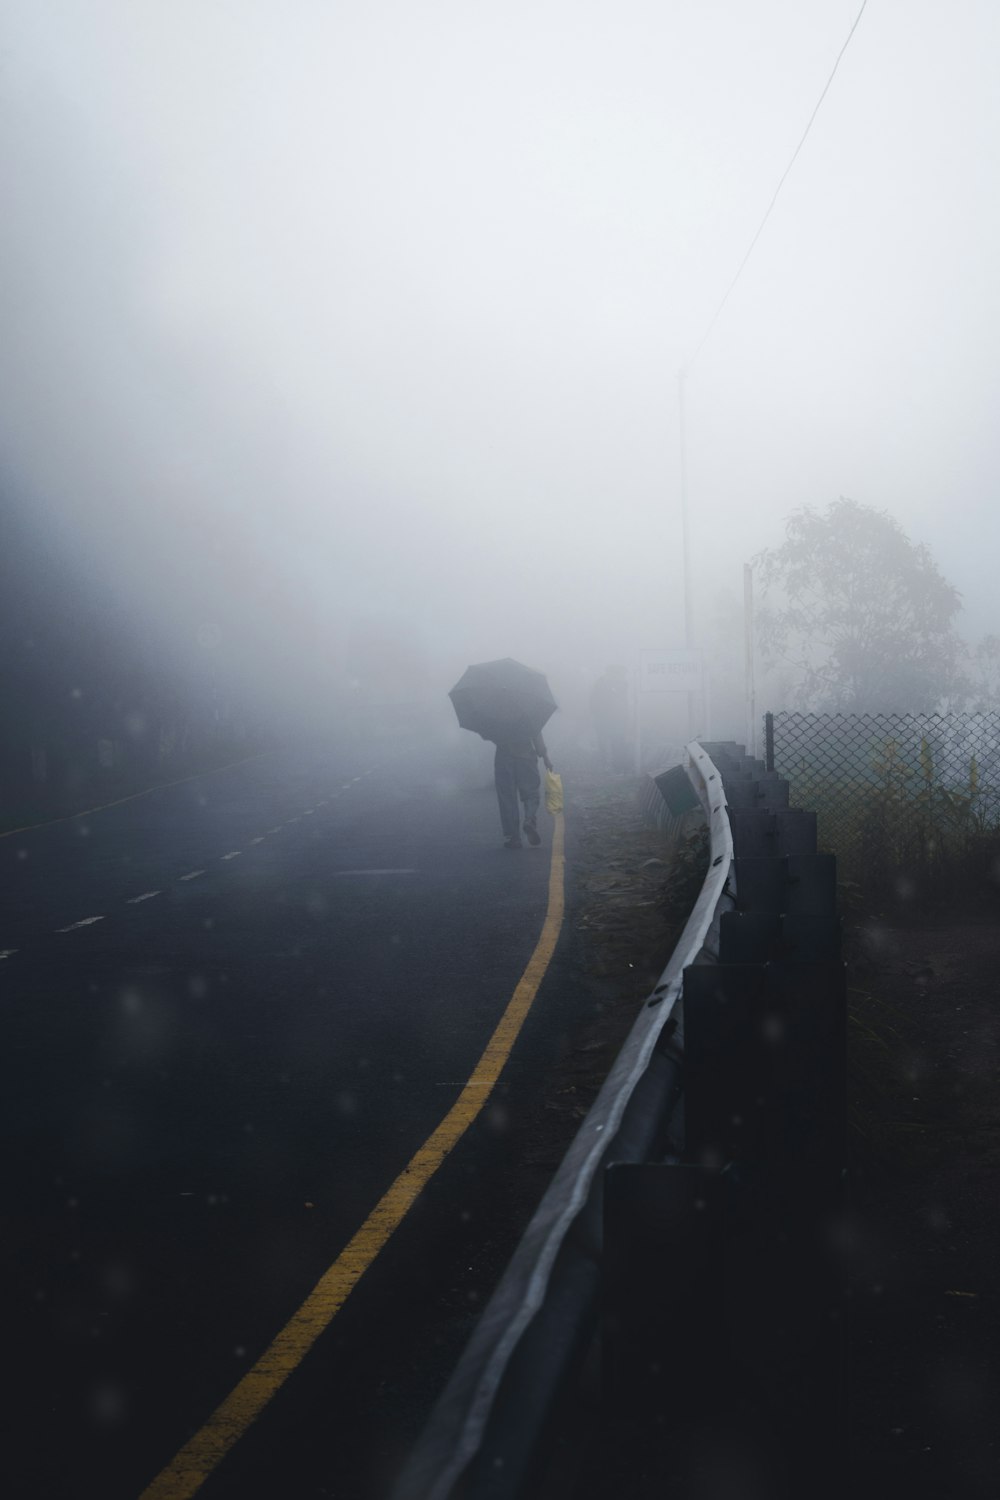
[629, 901]
[924, 1111]
[925, 1117]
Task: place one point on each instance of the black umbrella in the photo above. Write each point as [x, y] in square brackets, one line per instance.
[497, 699]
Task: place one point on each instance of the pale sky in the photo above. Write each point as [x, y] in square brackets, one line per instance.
[378, 308]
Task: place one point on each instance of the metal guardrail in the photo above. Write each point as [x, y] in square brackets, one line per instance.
[703, 1234]
[485, 1431]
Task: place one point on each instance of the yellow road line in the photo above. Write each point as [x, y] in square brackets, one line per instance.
[161, 786]
[227, 1424]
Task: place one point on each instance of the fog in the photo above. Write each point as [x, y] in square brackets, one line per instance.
[322, 319]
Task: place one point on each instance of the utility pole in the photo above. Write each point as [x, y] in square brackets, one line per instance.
[751, 691]
[686, 548]
[685, 533]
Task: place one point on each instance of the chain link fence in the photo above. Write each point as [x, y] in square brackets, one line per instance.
[905, 801]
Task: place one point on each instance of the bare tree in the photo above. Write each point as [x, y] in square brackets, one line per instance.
[859, 612]
[984, 674]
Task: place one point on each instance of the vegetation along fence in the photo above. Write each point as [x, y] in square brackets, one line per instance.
[907, 802]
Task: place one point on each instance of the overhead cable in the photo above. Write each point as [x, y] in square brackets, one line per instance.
[774, 199]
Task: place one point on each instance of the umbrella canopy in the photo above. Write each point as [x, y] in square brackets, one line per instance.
[497, 699]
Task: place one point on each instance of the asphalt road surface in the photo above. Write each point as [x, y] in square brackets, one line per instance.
[231, 1011]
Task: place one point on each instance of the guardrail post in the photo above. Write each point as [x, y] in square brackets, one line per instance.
[662, 1231]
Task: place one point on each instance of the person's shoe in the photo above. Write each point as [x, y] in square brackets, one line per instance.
[512, 844]
[531, 834]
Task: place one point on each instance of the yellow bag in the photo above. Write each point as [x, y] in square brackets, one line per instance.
[553, 792]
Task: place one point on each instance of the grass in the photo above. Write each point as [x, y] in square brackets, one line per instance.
[906, 831]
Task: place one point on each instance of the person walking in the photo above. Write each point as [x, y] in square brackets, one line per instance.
[609, 707]
[515, 775]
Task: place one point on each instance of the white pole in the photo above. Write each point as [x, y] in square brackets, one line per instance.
[751, 695]
[685, 536]
[685, 545]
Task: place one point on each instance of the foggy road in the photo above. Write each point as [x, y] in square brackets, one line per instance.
[233, 1010]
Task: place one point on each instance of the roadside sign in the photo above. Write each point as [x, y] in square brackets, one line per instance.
[670, 671]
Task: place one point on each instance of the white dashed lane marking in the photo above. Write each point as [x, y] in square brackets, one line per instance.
[234, 854]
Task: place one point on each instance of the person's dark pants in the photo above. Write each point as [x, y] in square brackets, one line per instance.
[516, 776]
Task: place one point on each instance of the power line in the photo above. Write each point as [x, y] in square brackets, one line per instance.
[774, 199]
